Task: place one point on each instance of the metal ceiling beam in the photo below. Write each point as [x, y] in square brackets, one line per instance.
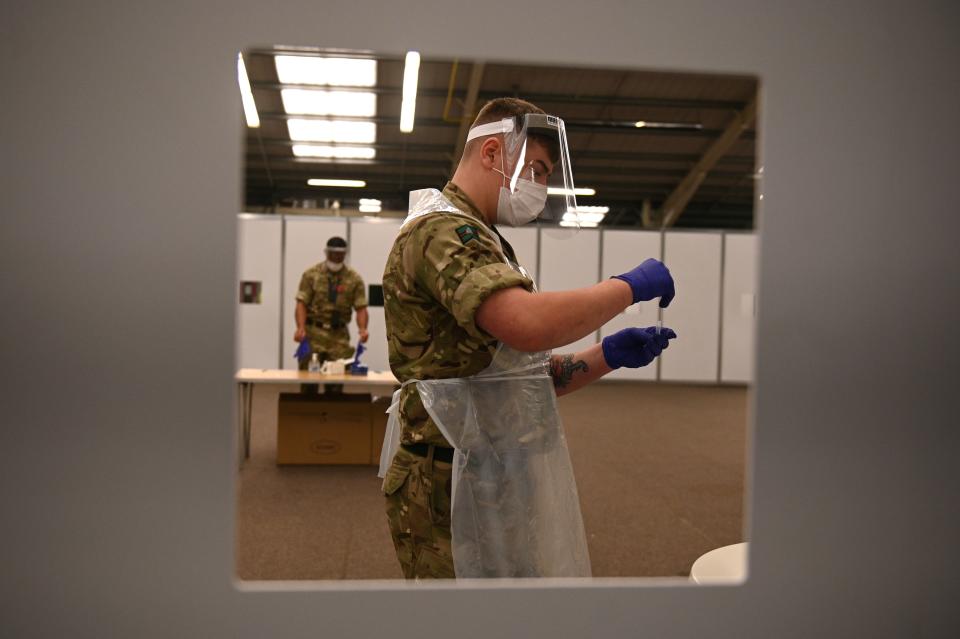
[380, 146]
[593, 126]
[613, 197]
[644, 172]
[605, 100]
[377, 119]
[254, 159]
[320, 164]
[675, 203]
[605, 188]
[618, 156]
[601, 169]
[469, 112]
[629, 156]
[401, 191]
[536, 98]
[620, 128]
[287, 177]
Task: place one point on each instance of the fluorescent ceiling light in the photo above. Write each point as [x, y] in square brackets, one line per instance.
[558, 191]
[359, 184]
[314, 102]
[583, 225]
[369, 205]
[411, 71]
[332, 131]
[643, 124]
[343, 72]
[338, 152]
[246, 94]
[593, 209]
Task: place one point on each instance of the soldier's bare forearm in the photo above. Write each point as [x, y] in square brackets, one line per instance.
[301, 314]
[363, 318]
[572, 372]
[542, 321]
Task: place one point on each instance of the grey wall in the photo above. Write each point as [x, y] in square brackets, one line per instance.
[121, 178]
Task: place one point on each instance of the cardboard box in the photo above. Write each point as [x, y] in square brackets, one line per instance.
[318, 429]
[378, 427]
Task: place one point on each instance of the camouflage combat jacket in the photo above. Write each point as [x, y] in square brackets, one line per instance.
[441, 268]
[330, 297]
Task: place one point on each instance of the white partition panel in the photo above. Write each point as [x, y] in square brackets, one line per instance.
[570, 261]
[524, 242]
[370, 242]
[622, 251]
[258, 322]
[305, 240]
[694, 262]
[739, 302]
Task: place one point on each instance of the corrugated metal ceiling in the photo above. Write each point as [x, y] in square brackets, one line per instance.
[626, 165]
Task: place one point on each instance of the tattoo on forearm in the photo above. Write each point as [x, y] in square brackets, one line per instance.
[563, 367]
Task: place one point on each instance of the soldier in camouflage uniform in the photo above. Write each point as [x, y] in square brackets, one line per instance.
[443, 267]
[437, 263]
[329, 292]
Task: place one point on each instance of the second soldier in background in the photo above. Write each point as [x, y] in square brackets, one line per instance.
[329, 292]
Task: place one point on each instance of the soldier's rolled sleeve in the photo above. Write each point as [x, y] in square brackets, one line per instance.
[305, 291]
[460, 264]
[477, 286]
[360, 296]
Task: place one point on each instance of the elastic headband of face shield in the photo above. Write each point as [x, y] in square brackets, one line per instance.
[561, 202]
[336, 245]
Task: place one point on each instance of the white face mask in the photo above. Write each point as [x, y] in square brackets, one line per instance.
[334, 266]
[521, 206]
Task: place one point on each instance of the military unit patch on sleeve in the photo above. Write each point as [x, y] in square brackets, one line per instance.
[467, 233]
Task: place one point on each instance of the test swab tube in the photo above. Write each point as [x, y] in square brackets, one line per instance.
[659, 319]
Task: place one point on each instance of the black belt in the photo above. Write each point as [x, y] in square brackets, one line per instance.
[440, 453]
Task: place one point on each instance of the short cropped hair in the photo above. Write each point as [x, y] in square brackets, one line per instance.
[502, 108]
[337, 244]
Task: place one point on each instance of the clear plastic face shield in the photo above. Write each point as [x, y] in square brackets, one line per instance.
[335, 257]
[536, 171]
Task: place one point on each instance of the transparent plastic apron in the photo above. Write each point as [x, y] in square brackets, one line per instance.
[514, 505]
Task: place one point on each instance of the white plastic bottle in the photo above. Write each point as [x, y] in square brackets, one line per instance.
[314, 365]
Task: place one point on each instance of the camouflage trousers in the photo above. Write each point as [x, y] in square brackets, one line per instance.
[331, 344]
[417, 491]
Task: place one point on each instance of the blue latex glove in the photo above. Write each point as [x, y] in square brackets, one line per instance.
[356, 368]
[360, 349]
[635, 347]
[303, 351]
[649, 280]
